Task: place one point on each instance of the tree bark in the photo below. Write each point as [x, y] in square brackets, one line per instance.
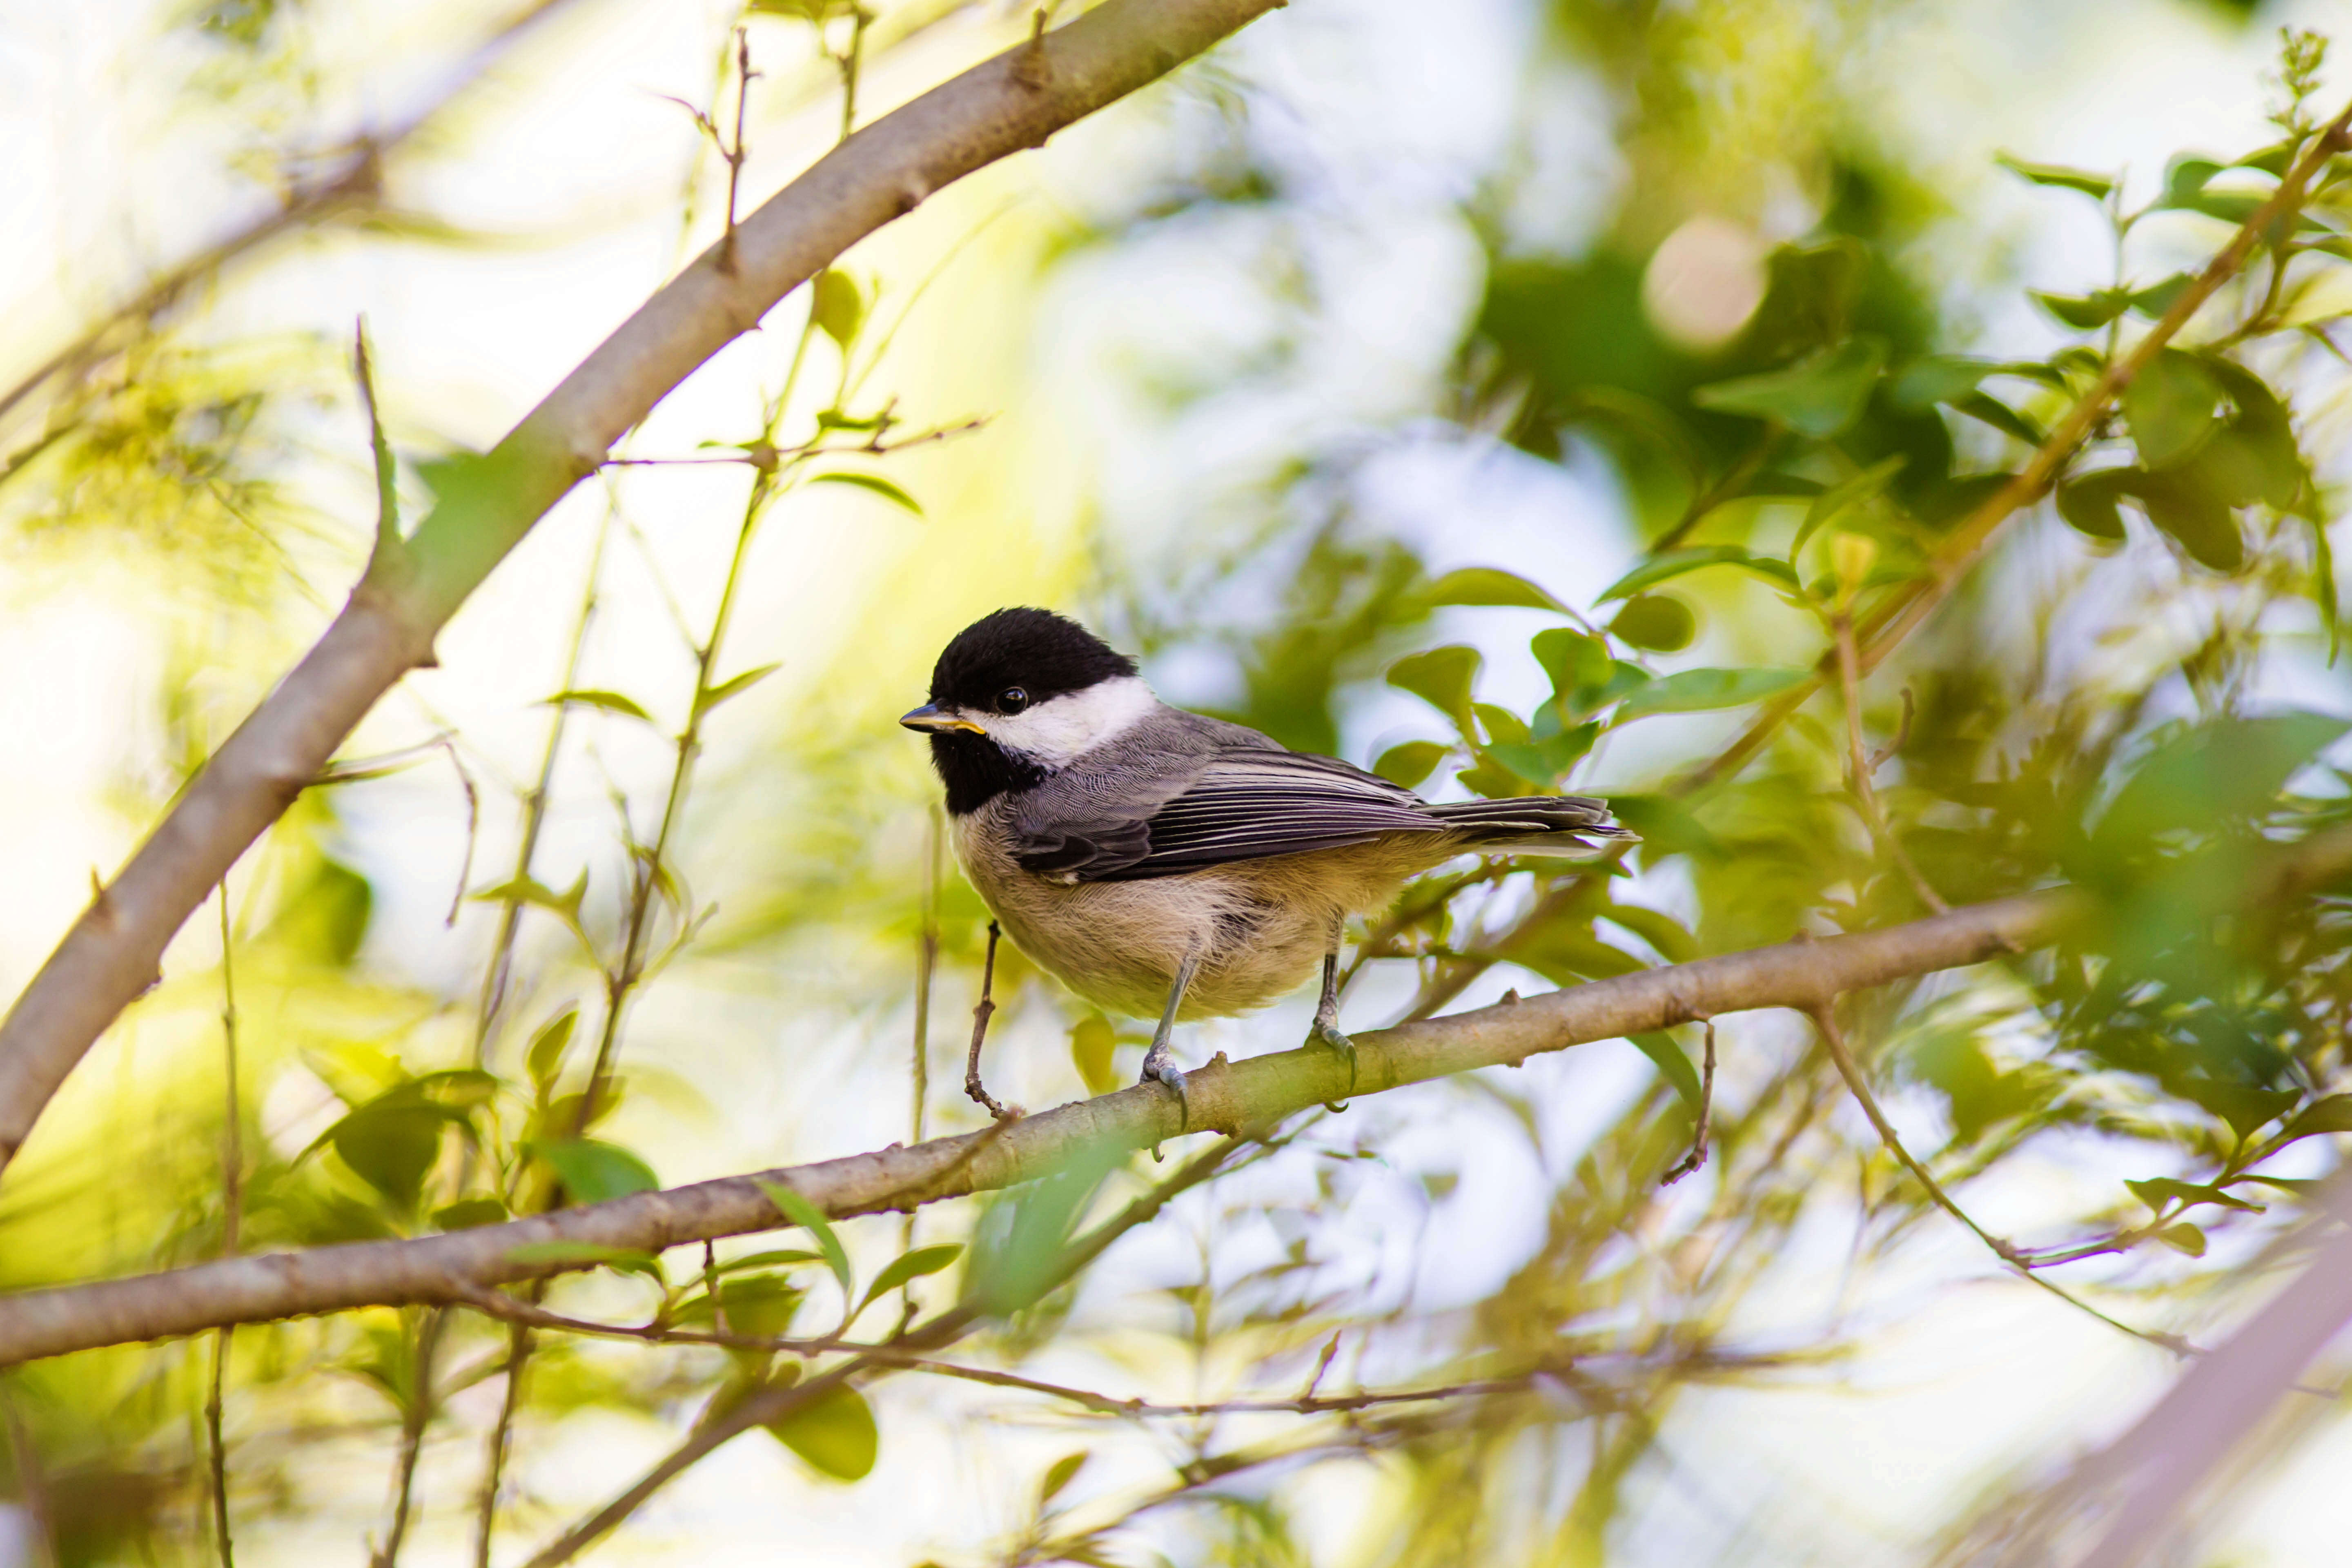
[1226, 1097]
[1016, 100]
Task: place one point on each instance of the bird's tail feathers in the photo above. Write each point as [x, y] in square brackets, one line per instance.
[1557, 824]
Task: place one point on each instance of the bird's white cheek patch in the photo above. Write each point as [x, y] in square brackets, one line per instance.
[1059, 731]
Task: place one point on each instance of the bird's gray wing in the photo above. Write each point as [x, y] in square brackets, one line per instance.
[1245, 804]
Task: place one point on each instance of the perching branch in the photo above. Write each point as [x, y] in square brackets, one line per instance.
[112, 953]
[1225, 1097]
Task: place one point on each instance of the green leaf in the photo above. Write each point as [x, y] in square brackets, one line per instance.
[470, 1214]
[2158, 1192]
[1440, 677]
[1819, 395]
[2196, 518]
[1092, 1040]
[529, 891]
[2084, 312]
[910, 1265]
[1696, 691]
[1674, 562]
[593, 1172]
[834, 1433]
[392, 1143]
[2274, 159]
[1406, 764]
[587, 1255]
[1673, 1064]
[2333, 1114]
[1938, 378]
[877, 484]
[610, 702]
[544, 1061]
[2262, 422]
[2096, 186]
[2088, 504]
[1062, 1473]
[733, 687]
[2185, 179]
[2183, 1238]
[799, 1211]
[1657, 622]
[834, 305]
[1847, 494]
[1985, 407]
[2155, 299]
[1571, 659]
[1547, 761]
[2223, 772]
[1485, 586]
[2171, 408]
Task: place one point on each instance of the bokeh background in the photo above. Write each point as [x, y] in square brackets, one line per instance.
[1254, 357]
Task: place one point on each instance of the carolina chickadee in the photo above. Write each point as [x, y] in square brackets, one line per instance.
[1152, 859]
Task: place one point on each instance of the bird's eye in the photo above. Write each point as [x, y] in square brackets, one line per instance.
[1012, 699]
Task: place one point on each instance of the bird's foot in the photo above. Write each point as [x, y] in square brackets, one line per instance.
[1326, 1035]
[1160, 1066]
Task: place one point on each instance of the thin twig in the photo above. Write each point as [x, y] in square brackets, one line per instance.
[386, 549]
[1697, 1155]
[1834, 1041]
[1859, 764]
[774, 1403]
[980, 1016]
[231, 1216]
[415, 1417]
[32, 1482]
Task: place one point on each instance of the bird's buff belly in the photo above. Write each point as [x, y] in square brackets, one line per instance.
[1120, 945]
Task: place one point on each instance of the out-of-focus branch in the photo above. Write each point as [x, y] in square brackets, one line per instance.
[352, 182]
[1906, 606]
[2131, 1496]
[1012, 102]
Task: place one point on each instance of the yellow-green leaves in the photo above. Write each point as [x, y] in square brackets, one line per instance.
[835, 306]
[833, 1432]
[1696, 691]
[1485, 586]
[874, 484]
[2096, 186]
[1407, 764]
[1819, 395]
[1440, 678]
[1092, 1041]
[593, 1172]
[2171, 406]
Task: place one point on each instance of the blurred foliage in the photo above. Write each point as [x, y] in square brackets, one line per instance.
[2098, 705]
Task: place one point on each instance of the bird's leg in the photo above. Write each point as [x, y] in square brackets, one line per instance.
[1158, 1062]
[972, 1085]
[1326, 1030]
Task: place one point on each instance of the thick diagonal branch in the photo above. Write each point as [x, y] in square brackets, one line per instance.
[1224, 1098]
[1013, 101]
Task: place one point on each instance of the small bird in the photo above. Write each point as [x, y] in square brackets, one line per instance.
[1157, 860]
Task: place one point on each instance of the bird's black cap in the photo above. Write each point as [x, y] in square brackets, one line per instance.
[1041, 652]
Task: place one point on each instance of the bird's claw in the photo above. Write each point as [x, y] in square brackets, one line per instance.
[1166, 1072]
[1326, 1035]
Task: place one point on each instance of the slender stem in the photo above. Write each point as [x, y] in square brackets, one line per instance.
[486, 1506]
[1834, 1041]
[412, 1437]
[1697, 1155]
[32, 1485]
[231, 1216]
[499, 973]
[1858, 760]
[774, 1404]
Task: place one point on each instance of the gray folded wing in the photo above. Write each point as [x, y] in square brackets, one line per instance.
[1243, 804]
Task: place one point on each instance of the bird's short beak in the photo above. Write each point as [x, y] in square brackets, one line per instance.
[930, 716]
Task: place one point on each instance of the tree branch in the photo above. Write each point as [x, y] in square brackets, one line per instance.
[450, 1268]
[1013, 101]
[1225, 1097]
